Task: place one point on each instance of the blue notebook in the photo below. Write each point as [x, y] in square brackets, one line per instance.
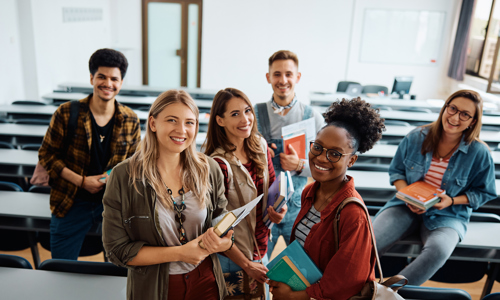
[300, 259]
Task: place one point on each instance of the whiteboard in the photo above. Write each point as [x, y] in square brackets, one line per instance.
[402, 36]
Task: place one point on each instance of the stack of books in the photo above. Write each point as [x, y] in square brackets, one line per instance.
[294, 267]
[420, 194]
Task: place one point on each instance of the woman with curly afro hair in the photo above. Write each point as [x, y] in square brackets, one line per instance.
[449, 155]
[351, 126]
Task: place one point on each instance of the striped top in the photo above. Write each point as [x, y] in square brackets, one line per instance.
[261, 230]
[436, 171]
[303, 228]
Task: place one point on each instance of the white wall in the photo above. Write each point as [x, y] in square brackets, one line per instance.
[430, 81]
[40, 50]
[239, 36]
[11, 75]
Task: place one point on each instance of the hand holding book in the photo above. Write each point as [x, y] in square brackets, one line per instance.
[213, 243]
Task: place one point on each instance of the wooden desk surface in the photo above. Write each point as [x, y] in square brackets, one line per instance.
[37, 284]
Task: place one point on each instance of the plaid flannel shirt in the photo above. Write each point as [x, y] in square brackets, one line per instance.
[52, 156]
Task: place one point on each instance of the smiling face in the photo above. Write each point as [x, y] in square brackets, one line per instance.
[283, 76]
[107, 82]
[323, 170]
[237, 120]
[175, 128]
[452, 124]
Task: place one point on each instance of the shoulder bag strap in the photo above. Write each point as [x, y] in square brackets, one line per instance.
[263, 121]
[72, 123]
[336, 229]
[240, 196]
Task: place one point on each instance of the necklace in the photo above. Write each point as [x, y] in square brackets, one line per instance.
[441, 157]
[325, 200]
[179, 216]
[102, 137]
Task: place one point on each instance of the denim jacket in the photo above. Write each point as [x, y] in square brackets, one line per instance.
[470, 171]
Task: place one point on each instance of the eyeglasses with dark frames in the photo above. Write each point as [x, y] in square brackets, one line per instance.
[453, 110]
[331, 154]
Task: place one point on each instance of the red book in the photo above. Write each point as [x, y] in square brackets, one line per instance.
[298, 143]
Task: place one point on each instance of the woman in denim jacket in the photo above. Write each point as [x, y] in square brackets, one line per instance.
[445, 153]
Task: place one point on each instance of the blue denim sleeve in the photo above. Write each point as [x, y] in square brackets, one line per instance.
[483, 183]
[397, 167]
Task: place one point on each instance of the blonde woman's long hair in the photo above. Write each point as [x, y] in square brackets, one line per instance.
[194, 165]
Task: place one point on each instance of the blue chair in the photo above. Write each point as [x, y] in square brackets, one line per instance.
[83, 267]
[494, 296]
[31, 147]
[6, 145]
[432, 293]
[10, 186]
[33, 121]
[14, 261]
[28, 102]
[39, 189]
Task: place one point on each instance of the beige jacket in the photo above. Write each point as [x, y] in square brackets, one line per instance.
[130, 221]
[243, 235]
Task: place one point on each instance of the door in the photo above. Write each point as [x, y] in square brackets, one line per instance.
[171, 43]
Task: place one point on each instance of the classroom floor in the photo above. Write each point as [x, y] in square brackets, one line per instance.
[474, 289]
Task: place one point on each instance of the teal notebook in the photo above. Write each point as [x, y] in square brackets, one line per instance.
[285, 271]
[298, 256]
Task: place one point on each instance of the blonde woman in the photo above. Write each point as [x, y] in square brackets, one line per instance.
[243, 156]
[159, 205]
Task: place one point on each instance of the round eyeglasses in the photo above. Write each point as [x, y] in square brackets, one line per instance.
[331, 154]
[453, 110]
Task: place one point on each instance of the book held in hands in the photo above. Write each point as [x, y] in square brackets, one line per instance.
[223, 224]
[278, 195]
[294, 267]
[420, 194]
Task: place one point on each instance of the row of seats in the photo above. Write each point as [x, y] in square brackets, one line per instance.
[15, 240]
[367, 89]
[103, 268]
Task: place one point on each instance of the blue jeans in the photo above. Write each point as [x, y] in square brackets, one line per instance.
[67, 233]
[284, 228]
[229, 266]
[398, 222]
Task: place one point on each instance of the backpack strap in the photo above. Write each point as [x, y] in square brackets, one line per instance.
[308, 112]
[72, 124]
[336, 223]
[263, 123]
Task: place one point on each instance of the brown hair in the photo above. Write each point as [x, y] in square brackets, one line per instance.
[194, 165]
[216, 135]
[431, 141]
[284, 55]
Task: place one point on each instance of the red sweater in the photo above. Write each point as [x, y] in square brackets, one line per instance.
[344, 272]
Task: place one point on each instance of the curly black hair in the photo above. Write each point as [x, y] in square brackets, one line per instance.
[108, 58]
[359, 119]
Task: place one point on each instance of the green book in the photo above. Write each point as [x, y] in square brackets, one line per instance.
[285, 271]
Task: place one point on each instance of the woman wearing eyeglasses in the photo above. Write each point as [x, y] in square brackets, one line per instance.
[447, 154]
[159, 205]
[245, 161]
[351, 126]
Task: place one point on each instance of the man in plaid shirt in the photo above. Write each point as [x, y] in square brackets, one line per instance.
[106, 134]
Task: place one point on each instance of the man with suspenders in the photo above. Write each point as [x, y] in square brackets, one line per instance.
[284, 109]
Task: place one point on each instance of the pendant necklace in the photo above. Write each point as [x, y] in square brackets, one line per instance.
[453, 149]
[102, 137]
